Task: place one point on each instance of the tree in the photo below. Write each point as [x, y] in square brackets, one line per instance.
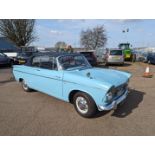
[69, 49]
[93, 38]
[60, 45]
[19, 31]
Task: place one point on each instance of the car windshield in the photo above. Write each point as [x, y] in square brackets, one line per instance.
[73, 61]
[116, 52]
[2, 55]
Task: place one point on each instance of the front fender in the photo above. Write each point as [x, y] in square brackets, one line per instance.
[97, 94]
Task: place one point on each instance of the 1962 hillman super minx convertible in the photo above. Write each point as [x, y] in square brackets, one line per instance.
[71, 78]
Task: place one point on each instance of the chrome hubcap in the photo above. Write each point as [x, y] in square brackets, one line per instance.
[25, 85]
[82, 105]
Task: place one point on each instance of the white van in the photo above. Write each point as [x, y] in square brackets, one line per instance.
[100, 52]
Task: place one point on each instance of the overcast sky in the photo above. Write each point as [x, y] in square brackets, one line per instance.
[141, 32]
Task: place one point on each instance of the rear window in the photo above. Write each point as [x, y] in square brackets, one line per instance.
[116, 52]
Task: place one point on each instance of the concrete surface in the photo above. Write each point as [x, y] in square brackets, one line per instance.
[36, 113]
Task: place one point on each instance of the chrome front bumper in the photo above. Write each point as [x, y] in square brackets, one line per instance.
[114, 104]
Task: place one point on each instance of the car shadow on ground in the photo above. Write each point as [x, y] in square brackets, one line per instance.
[7, 81]
[126, 64]
[5, 66]
[132, 102]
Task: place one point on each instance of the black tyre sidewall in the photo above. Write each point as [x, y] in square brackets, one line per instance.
[92, 109]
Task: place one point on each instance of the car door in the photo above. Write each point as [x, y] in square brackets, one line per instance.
[48, 78]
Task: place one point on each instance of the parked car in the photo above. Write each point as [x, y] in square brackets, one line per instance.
[11, 54]
[151, 58]
[23, 56]
[71, 78]
[113, 56]
[144, 55]
[140, 56]
[5, 60]
[90, 56]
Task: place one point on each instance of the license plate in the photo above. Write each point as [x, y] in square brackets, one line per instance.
[127, 56]
[116, 58]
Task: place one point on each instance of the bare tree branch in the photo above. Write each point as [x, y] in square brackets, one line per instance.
[95, 38]
[19, 31]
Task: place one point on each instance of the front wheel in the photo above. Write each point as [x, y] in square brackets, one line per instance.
[84, 104]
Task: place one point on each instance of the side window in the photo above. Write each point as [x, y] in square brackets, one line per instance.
[36, 61]
[45, 62]
[48, 62]
[79, 60]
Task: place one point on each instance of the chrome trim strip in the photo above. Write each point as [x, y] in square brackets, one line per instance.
[56, 79]
[39, 75]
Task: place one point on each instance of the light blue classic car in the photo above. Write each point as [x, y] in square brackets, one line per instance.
[71, 78]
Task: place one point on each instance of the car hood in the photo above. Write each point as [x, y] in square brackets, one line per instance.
[109, 76]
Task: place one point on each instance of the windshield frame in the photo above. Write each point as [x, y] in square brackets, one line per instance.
[60, 67]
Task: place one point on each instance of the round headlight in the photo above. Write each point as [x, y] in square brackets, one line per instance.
[109, 96]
